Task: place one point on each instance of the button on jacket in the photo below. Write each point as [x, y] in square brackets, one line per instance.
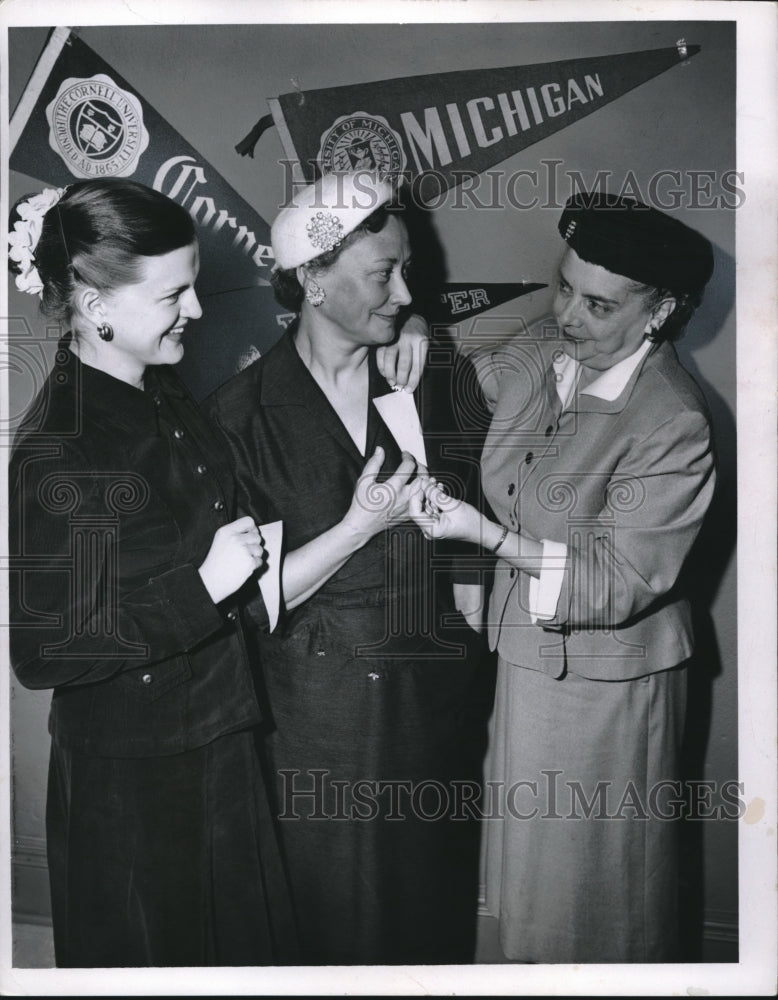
[623, 483]
[115, 496]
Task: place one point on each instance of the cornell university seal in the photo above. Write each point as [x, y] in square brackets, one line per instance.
[96, 127]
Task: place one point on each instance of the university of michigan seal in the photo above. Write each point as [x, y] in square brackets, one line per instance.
[96, 127]
[360, 141]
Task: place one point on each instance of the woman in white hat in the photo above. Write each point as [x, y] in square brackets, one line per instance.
[367, 682]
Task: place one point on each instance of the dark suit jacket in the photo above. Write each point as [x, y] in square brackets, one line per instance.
[294, 460]
[115, 495]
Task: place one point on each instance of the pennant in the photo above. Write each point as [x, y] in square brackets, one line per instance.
[463, 301]
[435, 129]
[78, 118]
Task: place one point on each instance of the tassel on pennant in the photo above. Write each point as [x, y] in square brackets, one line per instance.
[246, 146]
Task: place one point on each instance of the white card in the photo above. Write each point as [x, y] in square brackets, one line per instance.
[270, 577]
[398, 411]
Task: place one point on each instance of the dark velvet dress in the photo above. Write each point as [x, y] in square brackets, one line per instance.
[370, 684]
[161, 843]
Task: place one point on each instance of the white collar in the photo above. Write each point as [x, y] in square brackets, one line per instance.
[609, 385]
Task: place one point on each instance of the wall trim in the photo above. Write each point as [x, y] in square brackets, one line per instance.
[30, 851]
[719, 930]
[31, 903]
[35, 919]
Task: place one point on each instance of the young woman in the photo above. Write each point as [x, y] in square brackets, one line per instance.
[129, 567]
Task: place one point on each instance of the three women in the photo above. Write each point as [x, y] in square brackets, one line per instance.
[598, 466]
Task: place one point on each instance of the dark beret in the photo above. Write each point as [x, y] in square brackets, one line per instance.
[637, 241]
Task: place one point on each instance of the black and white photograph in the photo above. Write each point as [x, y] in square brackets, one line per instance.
[387, 575]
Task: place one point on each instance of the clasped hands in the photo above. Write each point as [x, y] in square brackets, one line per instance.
[438, 514]
[410, 493]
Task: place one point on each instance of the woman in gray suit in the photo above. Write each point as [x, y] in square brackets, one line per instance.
[599, 467]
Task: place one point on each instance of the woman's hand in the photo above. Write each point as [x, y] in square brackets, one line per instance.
[236, 552]
[402, 363]
[440, 516]
[376, 505]
[373, 507]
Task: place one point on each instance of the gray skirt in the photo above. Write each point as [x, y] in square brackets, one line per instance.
[580, 847]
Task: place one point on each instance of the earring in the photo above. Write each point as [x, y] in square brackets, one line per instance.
[105, 331]
[314, 293]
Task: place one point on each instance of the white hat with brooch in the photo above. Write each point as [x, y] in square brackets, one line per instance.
[322, 215]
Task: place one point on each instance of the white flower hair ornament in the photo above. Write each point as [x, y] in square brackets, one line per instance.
[23, 240]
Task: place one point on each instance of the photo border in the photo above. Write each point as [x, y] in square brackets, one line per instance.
[757, 367]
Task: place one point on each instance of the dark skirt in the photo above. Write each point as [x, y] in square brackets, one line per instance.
[376, 759]
[166, 861]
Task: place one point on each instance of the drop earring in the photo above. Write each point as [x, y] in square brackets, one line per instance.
[105, 331]
[314, 293]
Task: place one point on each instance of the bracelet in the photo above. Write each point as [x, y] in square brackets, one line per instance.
[503, 536]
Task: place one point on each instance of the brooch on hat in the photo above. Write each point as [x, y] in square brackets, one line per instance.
[571, 226]
[325, 231]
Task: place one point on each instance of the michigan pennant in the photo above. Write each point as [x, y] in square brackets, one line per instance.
[434, 130]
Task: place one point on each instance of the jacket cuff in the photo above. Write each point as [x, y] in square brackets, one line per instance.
[544, 590]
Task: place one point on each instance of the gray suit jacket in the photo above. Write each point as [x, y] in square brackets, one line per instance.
[624, 484]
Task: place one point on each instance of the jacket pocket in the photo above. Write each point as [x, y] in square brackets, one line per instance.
[155, 680]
